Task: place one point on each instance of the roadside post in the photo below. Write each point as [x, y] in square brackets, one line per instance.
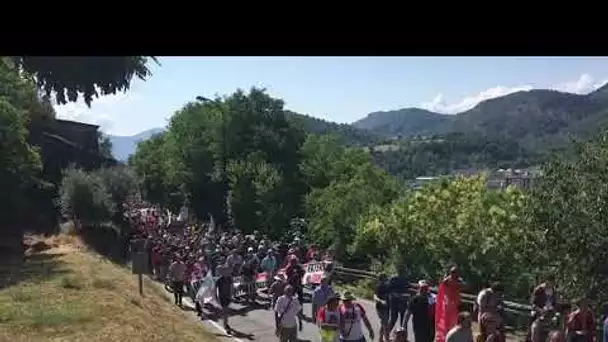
[139, 262]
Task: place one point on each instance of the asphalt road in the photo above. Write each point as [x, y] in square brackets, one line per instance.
[256, 323]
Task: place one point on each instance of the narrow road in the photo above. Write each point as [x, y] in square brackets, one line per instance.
[257, 323]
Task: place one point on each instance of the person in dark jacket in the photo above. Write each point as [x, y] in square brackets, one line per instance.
[420, 308]
[398, 289]
[381, 299]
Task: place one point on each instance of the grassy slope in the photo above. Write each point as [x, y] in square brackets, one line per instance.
[69, 294]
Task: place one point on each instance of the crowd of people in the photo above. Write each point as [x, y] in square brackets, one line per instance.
[442, 318]
[184, 253]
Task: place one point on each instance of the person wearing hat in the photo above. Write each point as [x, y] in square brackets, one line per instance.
[269, 264]
[320, 296]
[277, 288]
[421, 310]
[351, 316]
[328, 319]
[288, 316]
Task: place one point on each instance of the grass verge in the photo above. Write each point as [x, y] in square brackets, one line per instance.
[67, 293]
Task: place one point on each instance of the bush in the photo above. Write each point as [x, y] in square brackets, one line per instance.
[120, 183]
[85, 198]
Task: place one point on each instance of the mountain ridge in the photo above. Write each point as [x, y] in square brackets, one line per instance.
[538, 119]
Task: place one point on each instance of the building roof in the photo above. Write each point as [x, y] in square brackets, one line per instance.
[70, 122]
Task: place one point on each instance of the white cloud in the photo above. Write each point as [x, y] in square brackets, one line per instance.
[103, 110]
[584, 85]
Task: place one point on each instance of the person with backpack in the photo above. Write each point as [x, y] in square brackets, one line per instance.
[352, 315]
[398, 289]
[288, 316]
[328, 319]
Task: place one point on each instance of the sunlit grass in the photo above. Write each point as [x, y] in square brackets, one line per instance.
[89, 299]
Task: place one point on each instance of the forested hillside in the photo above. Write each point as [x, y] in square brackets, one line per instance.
[540, 120]
[441, 155]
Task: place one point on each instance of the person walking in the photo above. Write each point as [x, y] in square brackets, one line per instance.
[398, 299]
[581, 323]
[224, 293]
[288, 316]
[320, 296]
[382, 307]
[352, 318]
[462, 331]
[177, 272]
[420, 309]
[328, 319]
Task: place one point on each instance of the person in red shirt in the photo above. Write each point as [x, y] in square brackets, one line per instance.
[581, 323]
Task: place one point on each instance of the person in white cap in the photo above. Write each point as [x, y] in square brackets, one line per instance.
[420, 308]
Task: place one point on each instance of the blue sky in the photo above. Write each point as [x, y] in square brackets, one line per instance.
[341, 89]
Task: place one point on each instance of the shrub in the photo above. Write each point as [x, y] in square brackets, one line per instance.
[85, 198]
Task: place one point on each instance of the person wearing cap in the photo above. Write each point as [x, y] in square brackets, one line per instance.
[320, 296]
[351, 316]
[277, 288]
[328, 319]
[288, 316]
[420, 309]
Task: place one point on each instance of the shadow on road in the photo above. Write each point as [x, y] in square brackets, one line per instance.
[32, 268]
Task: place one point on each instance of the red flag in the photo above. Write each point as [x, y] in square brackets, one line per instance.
[446, 309]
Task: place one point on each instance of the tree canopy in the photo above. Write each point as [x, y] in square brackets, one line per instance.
[68, 77]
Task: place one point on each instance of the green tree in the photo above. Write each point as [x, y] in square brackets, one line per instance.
[485, 232]
[569, 208]
[67, 77]
[242, 140]
[85, 198]
[156, 172]
[355, 185]
[20, 164]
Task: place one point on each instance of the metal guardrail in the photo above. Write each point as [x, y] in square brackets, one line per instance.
[509, 306]
[517, 314]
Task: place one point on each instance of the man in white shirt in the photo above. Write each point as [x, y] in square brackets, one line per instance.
[352, 318]
[287, 316]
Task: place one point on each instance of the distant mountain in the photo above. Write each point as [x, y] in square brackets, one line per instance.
[537, 119]
[405, 122]
[350, 135]
[124, 146]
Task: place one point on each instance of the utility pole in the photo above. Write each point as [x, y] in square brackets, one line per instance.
[223, 157]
